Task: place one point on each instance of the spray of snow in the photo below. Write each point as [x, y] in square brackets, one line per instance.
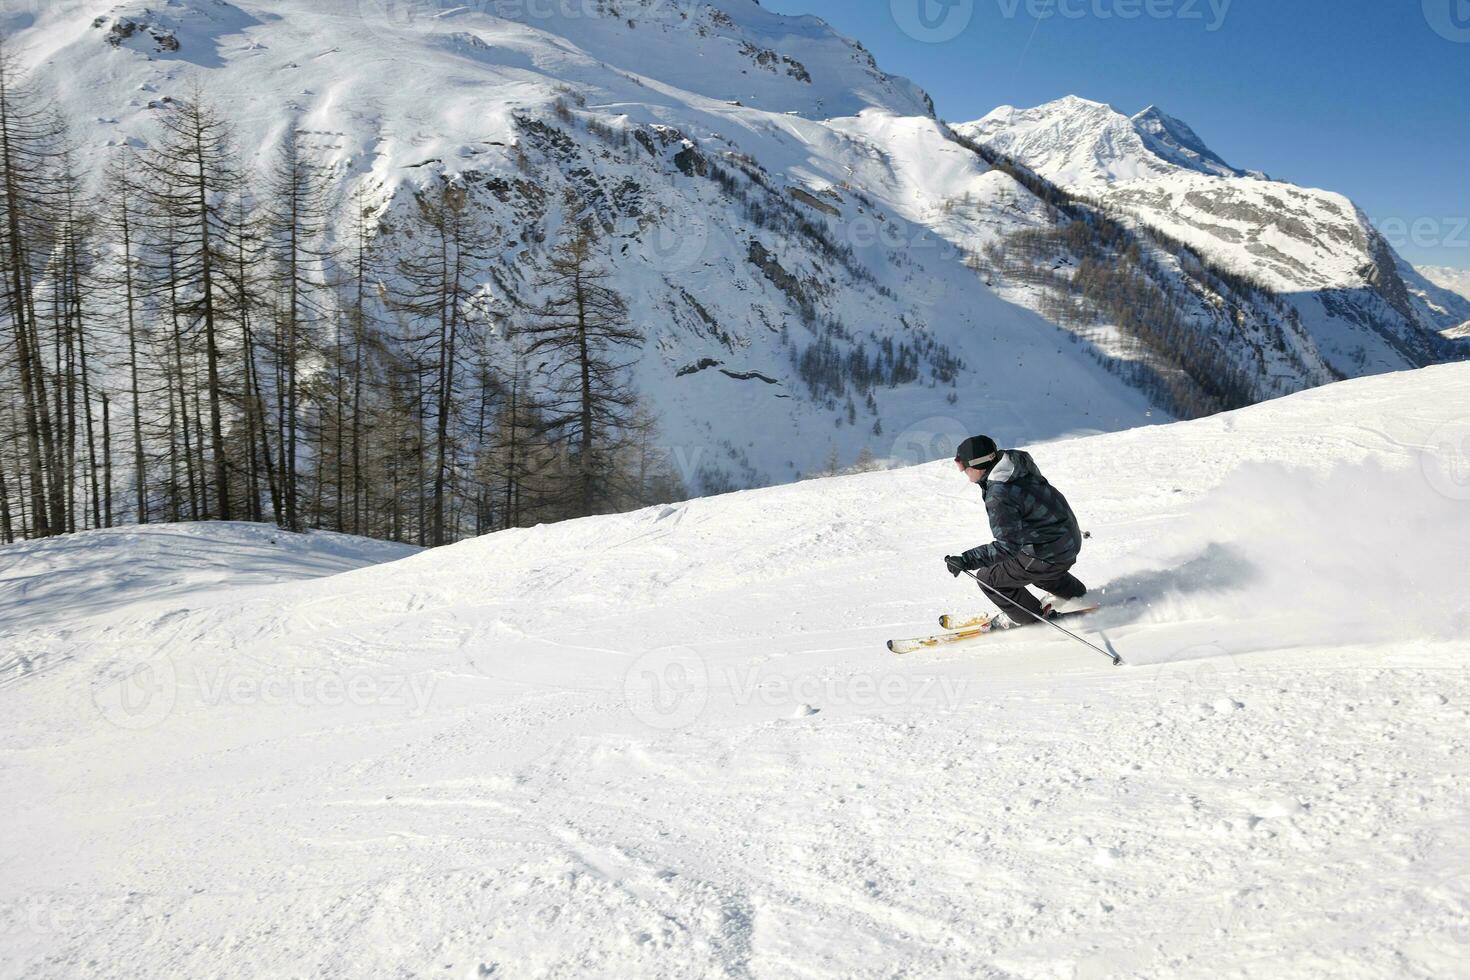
[1359, 553]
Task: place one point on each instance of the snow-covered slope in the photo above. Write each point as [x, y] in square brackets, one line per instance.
[61, 578]
[670, 743]
[1366, 308]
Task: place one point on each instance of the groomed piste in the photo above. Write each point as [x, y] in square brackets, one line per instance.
[671, 743]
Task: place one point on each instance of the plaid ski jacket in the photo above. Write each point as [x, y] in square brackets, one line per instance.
[1028, 516]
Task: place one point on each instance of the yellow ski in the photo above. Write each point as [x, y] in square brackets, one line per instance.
[944, 639]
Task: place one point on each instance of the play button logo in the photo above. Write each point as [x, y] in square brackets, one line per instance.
[1449, 18]
[933, 21]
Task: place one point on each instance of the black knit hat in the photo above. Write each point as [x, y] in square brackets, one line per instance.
[978, 451]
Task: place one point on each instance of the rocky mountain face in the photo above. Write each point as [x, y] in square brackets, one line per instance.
[1172, 139]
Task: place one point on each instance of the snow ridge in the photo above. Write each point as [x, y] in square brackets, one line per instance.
[1173, 139]
[1082, 144]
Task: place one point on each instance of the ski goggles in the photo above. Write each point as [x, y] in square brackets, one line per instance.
[960, 464]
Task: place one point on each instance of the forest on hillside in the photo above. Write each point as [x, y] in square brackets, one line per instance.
[186, 343]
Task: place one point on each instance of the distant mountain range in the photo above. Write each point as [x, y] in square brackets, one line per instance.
[1455, 280]
[1366, 309]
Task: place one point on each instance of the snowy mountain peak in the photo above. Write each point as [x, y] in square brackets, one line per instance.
[1079, 103]
[1076, 141]
[1174, 140]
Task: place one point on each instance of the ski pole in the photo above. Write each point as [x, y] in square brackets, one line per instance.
[1002, 603]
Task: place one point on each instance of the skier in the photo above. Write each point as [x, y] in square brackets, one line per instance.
[1037, 538]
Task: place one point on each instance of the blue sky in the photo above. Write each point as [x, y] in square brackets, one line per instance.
[1367, 97]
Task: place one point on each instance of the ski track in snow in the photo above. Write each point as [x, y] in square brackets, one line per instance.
[670, 743]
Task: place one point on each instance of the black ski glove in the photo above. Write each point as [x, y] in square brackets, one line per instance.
[954, 564]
